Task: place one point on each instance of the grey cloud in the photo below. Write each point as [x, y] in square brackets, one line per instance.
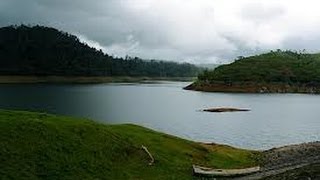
[195, 30]
[310, 44]
[260, 13]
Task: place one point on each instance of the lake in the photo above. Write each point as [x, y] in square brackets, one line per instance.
[274, 119]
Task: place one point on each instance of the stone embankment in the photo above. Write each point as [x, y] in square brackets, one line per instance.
[280, 163]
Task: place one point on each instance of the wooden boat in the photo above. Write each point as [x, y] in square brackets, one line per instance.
[205, 171]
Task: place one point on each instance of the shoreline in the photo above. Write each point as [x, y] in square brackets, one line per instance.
[279, 161]
[253, 88]
[116, 148]
[17, 79]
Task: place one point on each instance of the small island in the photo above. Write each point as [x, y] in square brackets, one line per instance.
[273, 72]
[225, 109]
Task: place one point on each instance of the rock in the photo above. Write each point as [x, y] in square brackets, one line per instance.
[225, 109]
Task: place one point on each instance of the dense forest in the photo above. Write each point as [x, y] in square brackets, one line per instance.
[275, 72]
[273, 67]
[39, 50]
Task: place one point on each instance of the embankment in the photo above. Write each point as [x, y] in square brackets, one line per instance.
[253, 87]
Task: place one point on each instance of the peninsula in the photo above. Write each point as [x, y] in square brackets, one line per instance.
[273, 72]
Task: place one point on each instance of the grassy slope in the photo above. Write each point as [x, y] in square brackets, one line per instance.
[38, 146]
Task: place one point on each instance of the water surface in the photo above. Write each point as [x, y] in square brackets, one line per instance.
[274, 119]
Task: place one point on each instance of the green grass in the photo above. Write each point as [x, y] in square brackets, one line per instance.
[43, 146]
[272, 72]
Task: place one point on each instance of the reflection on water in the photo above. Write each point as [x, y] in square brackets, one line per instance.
[274, 119]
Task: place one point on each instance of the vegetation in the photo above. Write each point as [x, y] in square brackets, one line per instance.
[43, 146]
[44, 51]
[285, 71]
[86, 79]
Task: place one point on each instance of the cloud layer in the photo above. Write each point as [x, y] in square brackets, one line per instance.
[198, 31]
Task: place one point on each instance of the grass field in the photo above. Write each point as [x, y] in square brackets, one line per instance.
[44, 146]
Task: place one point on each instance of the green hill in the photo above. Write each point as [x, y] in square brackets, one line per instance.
[43, 146]
[46, 51]
[276, 71]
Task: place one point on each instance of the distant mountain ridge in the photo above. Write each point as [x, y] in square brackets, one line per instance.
[43, 51]
[276, 71]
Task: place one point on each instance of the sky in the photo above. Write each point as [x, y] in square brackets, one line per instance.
[195, 31]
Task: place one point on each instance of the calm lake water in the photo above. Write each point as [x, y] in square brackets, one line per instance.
[274, 119]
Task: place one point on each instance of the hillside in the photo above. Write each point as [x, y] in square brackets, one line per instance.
[276, 71]
[43, 146]
[45, 51]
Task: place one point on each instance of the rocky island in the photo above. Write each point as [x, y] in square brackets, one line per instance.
[273, 72]
[225, 109]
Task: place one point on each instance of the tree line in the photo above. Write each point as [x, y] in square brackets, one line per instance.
[39, 50]
[289, 67]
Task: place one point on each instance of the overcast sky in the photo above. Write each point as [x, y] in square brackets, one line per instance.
[197, 31]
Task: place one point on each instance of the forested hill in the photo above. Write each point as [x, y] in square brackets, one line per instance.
[39, 50]
[276, 71]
